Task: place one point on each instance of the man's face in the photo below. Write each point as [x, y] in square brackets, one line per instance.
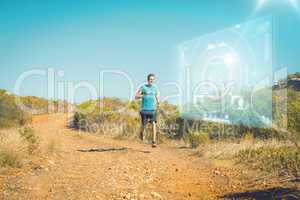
[151, 80]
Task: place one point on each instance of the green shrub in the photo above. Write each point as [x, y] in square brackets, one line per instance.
[194, 139]
[272, 159]
[10, 114]
[122, 116]
[248, 136]
[9, 158]
[38, 105]
[32, 140]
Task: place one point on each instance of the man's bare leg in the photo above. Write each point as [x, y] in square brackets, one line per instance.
[154, 134]
[142, 131]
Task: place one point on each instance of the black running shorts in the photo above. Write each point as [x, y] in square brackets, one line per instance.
[148, 116]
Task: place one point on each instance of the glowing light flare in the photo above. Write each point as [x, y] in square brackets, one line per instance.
[292, 3]
[261, 3]
[230, 59]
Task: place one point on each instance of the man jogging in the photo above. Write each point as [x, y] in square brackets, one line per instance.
[150, 100]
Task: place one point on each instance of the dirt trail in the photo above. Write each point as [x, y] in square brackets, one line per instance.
[140, 172]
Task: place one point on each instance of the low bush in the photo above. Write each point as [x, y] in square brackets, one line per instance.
[248, 136]
[17, 145]
[32, 140]
[272, 159]
[194, 139]
[13, 149]
[38, 105]
[120, 119]
[10, 114]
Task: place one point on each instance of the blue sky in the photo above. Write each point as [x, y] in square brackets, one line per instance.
[82, 38]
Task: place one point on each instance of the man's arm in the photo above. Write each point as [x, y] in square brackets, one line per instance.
[157, 96]
[138, 94]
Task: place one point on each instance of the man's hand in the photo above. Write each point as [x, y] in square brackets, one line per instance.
[157, 98]
[138, 94]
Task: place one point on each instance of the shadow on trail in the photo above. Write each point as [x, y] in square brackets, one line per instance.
[264, 194]
[183, 147]
[112, 149]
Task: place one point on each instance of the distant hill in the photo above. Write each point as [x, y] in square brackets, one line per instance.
[12, 114]
[38, 105]
[291, 82]
[286, 98]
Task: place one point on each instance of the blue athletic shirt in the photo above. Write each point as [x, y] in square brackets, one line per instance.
[149, 93]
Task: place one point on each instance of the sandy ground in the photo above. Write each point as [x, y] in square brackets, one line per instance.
[135, 172]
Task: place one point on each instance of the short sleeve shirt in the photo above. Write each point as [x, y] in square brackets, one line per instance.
[149, 93]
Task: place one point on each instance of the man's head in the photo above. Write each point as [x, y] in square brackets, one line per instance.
[150, 79]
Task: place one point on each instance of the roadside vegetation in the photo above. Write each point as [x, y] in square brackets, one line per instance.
[120, 119]
[17, 111]
[10, 114]
[38, 105]
[16, 145]
[275, 149]
[19, 142]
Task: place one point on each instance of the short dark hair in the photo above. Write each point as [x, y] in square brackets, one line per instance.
[149, 75]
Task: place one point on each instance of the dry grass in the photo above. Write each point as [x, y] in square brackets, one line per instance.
[13, 149]
[227, 149]
[282, 160]
[194, 139]
[30, 137]
[19, 145]
[273, 156]
[50, 143]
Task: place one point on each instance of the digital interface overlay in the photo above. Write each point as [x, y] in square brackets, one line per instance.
[227, 75]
